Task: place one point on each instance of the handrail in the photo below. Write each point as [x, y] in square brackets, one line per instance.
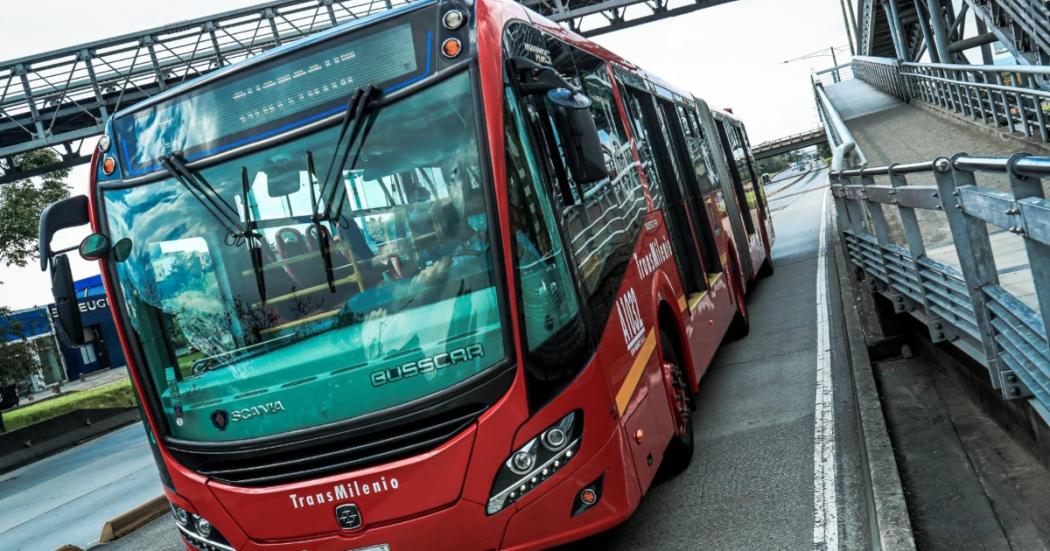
[844, 149]
[1013, 97]
[965, 305]
[1028, 69]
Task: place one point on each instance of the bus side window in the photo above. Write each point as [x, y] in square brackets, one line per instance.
[604, 226]
[555, 336]
[643, 143]
[729, 150]
[760, 193]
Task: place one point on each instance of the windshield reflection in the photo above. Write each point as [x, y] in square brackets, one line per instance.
[410, 259]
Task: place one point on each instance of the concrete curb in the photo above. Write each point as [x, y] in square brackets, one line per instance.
[35, 442]
[891, 528]
[134, 519]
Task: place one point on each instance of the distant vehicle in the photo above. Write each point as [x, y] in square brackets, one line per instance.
[765, 178]
[800, 166]
[333, 346]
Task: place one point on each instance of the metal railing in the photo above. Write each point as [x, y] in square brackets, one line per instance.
[882, 73]
[845, 153]
[966, 305]
[1014, 97]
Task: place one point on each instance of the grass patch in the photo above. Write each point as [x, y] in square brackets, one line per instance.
[109, 395]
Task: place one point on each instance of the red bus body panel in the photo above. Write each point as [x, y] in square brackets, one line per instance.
[436, 500]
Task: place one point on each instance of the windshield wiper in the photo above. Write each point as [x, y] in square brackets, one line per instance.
[223, 212]
[252, 236]
[356, 110]
[323, 237]
[205, 194]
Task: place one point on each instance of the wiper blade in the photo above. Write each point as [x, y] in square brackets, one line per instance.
[252, 236]
[356, 109]
[223, 212]
[323, 237]
[205, 194]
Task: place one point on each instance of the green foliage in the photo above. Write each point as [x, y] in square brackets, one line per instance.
[111, 395]
[17, 362]
[824, 151]
[22, 202]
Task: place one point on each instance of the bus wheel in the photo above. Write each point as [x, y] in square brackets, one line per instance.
[767, 267]
[741, 324]
[680, 450]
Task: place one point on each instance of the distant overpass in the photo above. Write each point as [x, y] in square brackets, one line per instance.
[780, 146]
[60, 98]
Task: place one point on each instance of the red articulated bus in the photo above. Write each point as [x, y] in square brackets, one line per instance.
[442, 278]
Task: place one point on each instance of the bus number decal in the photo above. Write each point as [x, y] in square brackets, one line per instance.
[630, 320]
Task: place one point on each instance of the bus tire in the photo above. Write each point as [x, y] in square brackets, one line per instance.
[679, 452]
[767, 267]
[741, 324]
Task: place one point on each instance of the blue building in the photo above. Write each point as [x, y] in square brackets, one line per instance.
[34, 329]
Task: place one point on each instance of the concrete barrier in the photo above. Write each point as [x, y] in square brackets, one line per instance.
[134, 519]
[28, 444]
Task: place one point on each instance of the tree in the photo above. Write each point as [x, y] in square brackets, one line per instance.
[21, 203]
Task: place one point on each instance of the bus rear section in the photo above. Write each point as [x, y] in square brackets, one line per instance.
[443, 278]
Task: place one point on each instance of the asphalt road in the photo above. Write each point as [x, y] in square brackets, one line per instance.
[66, 498]
[751, 484]
[751, 481]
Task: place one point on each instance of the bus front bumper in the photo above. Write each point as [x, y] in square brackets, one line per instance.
[553, 517]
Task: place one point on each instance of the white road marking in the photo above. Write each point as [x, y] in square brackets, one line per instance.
[825, 499]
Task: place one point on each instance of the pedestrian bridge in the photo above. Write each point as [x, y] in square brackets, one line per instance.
[940, 213]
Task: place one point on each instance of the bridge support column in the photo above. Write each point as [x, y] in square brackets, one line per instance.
[896, 30]
[940, 32]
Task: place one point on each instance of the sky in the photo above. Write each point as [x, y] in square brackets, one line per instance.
[730, 55]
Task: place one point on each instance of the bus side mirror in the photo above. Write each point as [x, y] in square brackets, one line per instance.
[575, 124]
[67, 213]
[69, 325]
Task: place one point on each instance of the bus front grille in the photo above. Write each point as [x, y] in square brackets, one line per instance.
[324, 454]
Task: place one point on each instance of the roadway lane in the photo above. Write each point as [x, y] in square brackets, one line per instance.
[751, 484]
[65, 498]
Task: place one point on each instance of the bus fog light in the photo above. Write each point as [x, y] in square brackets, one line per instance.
[202, 525]
[536, 461]
[181, 516]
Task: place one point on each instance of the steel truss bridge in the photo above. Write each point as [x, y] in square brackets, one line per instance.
[59, 99]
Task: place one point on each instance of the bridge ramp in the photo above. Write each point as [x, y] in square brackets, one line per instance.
[890, 131]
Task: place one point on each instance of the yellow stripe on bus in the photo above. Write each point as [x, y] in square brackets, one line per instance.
[630, 383]
[682, 304]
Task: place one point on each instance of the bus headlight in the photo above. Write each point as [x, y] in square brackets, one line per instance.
[536, 461]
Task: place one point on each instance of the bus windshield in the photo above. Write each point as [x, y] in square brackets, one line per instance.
[400, 304]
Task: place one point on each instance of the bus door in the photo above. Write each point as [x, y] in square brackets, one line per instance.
[694, 199]
[650, 132]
